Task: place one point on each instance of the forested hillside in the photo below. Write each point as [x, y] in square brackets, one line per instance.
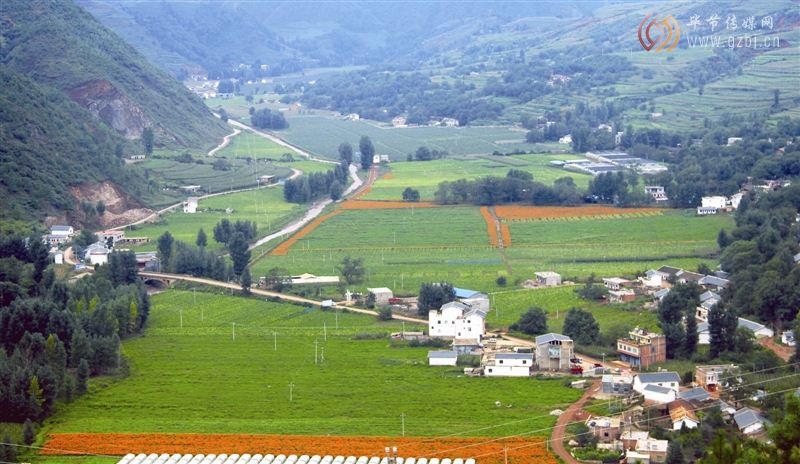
[60, 45]
[74, 100]
[47, 143]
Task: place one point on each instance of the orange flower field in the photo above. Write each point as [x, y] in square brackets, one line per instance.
[527, 450]
[522, 213]
[284, 247]
[377, 204]
[506, 234]
[490, 227]
[388, 176]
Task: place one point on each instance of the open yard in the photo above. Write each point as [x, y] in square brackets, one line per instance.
[405, 247]
[426, 176]
[198, 378]
[250, 145]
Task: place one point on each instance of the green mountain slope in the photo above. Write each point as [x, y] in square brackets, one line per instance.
[58, 44]
[48, 143]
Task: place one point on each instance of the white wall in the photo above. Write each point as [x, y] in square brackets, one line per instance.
[506, 371]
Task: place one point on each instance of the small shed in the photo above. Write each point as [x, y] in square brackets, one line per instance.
[442, 358]
[382, 295]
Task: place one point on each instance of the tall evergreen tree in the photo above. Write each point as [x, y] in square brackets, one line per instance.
[202, 239]
[165, 244]
[367, 152]
[346, 153]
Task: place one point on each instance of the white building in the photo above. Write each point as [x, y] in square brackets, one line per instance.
[63, 231]
[509, 365]
[759, 330]
[311, 279]
[748, 421]
[566, 140]
[657, 192]
[615, 283]
[706, 210]
[442, 358]
[382, 295]
[473, 299]
[787, 338]
[58, 257]
[95, 254]
[548, 278]
[457, 320]
[716, 201]
[660, 395]
[669, 380]
[114, 234]
[190, 205]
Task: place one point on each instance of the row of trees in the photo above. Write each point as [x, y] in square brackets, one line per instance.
[54, 336]
[579, 325]
[312, 186]
[516, 187]
[268, 119]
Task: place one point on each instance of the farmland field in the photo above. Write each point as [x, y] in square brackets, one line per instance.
[265, 206]
[198, 379]
[405, 247]
[321, 132]
[250, 145]
[426, 176]
[509, 305]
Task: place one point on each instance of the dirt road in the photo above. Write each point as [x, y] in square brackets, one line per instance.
[560, 430]
[225, 141]
[266, 293]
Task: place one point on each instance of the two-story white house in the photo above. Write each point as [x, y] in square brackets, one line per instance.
[457, 320]
[509, 365]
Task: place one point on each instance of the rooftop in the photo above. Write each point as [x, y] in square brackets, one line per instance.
[442, 354]
[549, 337]
[746, 417]
[466, 293]
[657, 389]
[695, 394]
[658, 377]
[514, 356]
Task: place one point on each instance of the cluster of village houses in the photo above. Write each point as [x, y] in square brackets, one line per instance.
[97, 253]
[676, 406]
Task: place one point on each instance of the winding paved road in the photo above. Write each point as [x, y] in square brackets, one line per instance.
[567, 417]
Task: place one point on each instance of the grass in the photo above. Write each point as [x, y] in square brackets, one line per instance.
[403, 248]
[264, 206]
[250, 145]
[198, 379]
[426, 176]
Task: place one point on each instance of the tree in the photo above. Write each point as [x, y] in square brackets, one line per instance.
[240, 254]
[100, 206]
[533, 322]
[370, 302]
[336, 190]
[722, 324]
[410, 194]
[677, 307]
[346, 153]
[202, 239]
[776, 98]
[786, 433]
[434, 295]
[674, 453]
[246, 281]
[352, 270]
[722, 239]
[501, 281]
[165, 245]
[28, 432]
[385, 313]
[8, 452]
[147, 140]
[83, 376]
[581, 326]
[591, 291]
[367, 152]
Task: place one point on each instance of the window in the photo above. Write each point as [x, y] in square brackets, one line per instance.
[524, 361]
[501, 362]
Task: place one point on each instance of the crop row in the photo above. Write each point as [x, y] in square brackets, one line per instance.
[516, 213]
[284, 247]
[486, 451]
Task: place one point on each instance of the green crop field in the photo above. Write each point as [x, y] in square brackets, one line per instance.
[509, 305]
[265, 206]
[199, 379]
[404, 247]
[616, 245]
[425, 176]
[250, 145]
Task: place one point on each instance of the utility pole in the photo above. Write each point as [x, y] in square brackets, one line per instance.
[403, 424]
[291, 388]
[325, 330]
[322, 355]
[404, 330]
[336, 313]
[234, 331]
[275, 341]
